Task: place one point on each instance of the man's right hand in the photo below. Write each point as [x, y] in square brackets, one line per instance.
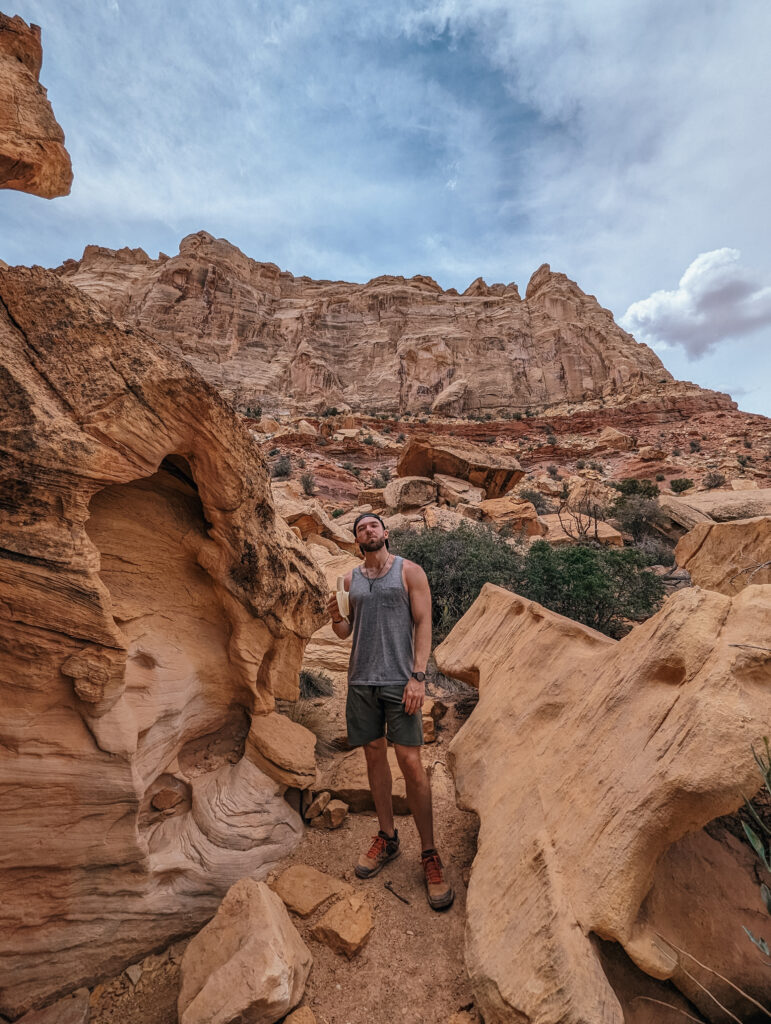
[332, 608]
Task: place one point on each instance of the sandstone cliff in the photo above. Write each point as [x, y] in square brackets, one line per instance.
[152, 604]
[32, 154]
[392, 345]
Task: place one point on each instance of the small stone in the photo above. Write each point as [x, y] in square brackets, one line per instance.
[166, 799]
[134, 973]
[304, 1015]
[303, 889]
[317, 806]
[346, 926]
[332, 816]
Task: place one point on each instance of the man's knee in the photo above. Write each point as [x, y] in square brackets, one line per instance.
[376, 751]
[409, 761]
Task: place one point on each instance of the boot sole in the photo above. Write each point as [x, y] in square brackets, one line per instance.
[364, 873]
[443, 903]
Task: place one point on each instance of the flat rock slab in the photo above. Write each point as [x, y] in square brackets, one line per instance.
[74, 1009]
[248, 964]
[303, 889]
[346, 926]
[347, 780]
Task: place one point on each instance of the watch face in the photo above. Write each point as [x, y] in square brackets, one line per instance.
[420, 676]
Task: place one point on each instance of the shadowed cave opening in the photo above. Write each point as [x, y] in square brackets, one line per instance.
[190, 710]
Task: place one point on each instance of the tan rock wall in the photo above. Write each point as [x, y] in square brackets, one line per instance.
[151, 604]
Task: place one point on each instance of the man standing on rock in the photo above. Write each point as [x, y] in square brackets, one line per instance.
[390, 618]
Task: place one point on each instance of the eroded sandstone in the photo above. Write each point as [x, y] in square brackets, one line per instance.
[152, 606]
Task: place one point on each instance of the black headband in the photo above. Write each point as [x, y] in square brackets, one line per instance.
[369, 515]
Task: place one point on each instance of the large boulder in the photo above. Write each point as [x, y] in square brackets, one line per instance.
[153, 605]
[32, 154]
[724, 506]
[514, 513]
[409, 492]
[481, 466]
[456, 491]
[248, 964]
[727, 556]
[589, 761]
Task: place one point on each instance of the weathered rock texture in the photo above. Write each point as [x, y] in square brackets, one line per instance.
[727, 556]
[32, 154]
[587, 760]
[493, 472]
[248, 964]
[392, 344]
[152, 604]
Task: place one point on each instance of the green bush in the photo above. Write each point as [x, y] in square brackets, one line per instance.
[272, 452]
[308, 482]
[331, 411]
[681, 484]
[281, 468]
[601, 587]
[553, 472]
[368, 439]
[638, 515]
[580, 464]
[645, 488]
[336, 513]
[758, 834]
[676, 452]
[540, 502]
[695, 446]
[660, 477]
[743, 460]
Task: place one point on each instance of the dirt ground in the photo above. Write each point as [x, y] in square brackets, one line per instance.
[411, 970]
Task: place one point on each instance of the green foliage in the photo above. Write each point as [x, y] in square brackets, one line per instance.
[254, 412]
[368, 439]
[400, 438]
[713, 479]
[308, 482]
[677, 452]
[747, 443]
[315, 684]
[540, 502]
[638, 515]
[281, 468]
[336, 513]
[602, 587]
[580, 464]
[272, 452]
[517, 416]
[695, 446]
[330, 411]
[553, 472]
[646, 488]
[660, 477]
[681, 484]
[743, 460]
[758, 835]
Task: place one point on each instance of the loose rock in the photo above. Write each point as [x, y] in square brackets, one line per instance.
[303, 889]
[346, 926]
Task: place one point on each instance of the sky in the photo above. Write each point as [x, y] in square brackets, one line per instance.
[627, 143]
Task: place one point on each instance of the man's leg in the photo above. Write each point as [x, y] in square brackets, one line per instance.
[418, 792]
[380, 782]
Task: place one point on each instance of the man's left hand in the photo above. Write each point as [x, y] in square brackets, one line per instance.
[414, 695]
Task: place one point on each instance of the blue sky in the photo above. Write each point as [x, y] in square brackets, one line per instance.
[625, 142]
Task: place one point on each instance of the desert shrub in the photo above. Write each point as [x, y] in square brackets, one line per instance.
[281, 468]
[517, 416]
[254, 412]
[597, 467]
[580, 464]
[368, 439]
[400, 438]
[540, 502]
[553, 472]
[645, 488]
[695, 446]
[747, 443]
[656, 550]
[315, 684]
[681, 484]
[308, 483]
[638, 515]
[660, 477]
[713, 480]
[743, 460]
[301, 463]
[758, 834]
[677, 452]
[330, 411]
[336, 513]
[601, 587]
[272, 452]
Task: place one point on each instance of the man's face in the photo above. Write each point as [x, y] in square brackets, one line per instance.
[370, 535]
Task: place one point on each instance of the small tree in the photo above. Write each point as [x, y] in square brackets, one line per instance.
[681, 484]
[308, 483]
[713, 479]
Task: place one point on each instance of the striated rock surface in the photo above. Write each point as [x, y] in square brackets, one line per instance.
[490, 471]
[727, 556]
[614, 751]
[32, 154]
[152, 605]
[291, 343]
[248, 964]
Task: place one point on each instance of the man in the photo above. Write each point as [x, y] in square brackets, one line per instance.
[390, 618]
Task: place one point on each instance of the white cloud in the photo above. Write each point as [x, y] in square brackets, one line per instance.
[717, 300]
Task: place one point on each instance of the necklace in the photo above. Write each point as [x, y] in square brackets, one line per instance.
[381, 572]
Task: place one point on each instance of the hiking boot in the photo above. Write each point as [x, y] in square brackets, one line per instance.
[383, 849]
[438, 890]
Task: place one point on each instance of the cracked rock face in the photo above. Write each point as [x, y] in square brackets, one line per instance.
[32, 154]
[152, 605]
[594, 764]
[391, 345]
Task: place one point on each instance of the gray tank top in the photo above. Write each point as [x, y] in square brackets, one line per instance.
[381, 652]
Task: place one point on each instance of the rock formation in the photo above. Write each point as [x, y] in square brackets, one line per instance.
[290, 343]
[592, 764]
[727, 556]
[492, 471]
[32, 154]
[152, 605]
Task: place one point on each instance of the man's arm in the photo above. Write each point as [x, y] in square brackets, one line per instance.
[420, 603]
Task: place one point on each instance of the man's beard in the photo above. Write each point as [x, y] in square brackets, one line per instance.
[372, 545]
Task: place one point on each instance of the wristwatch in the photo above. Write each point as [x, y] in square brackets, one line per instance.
[420, 676]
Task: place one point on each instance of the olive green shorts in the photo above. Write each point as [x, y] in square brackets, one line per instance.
[375, 711]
